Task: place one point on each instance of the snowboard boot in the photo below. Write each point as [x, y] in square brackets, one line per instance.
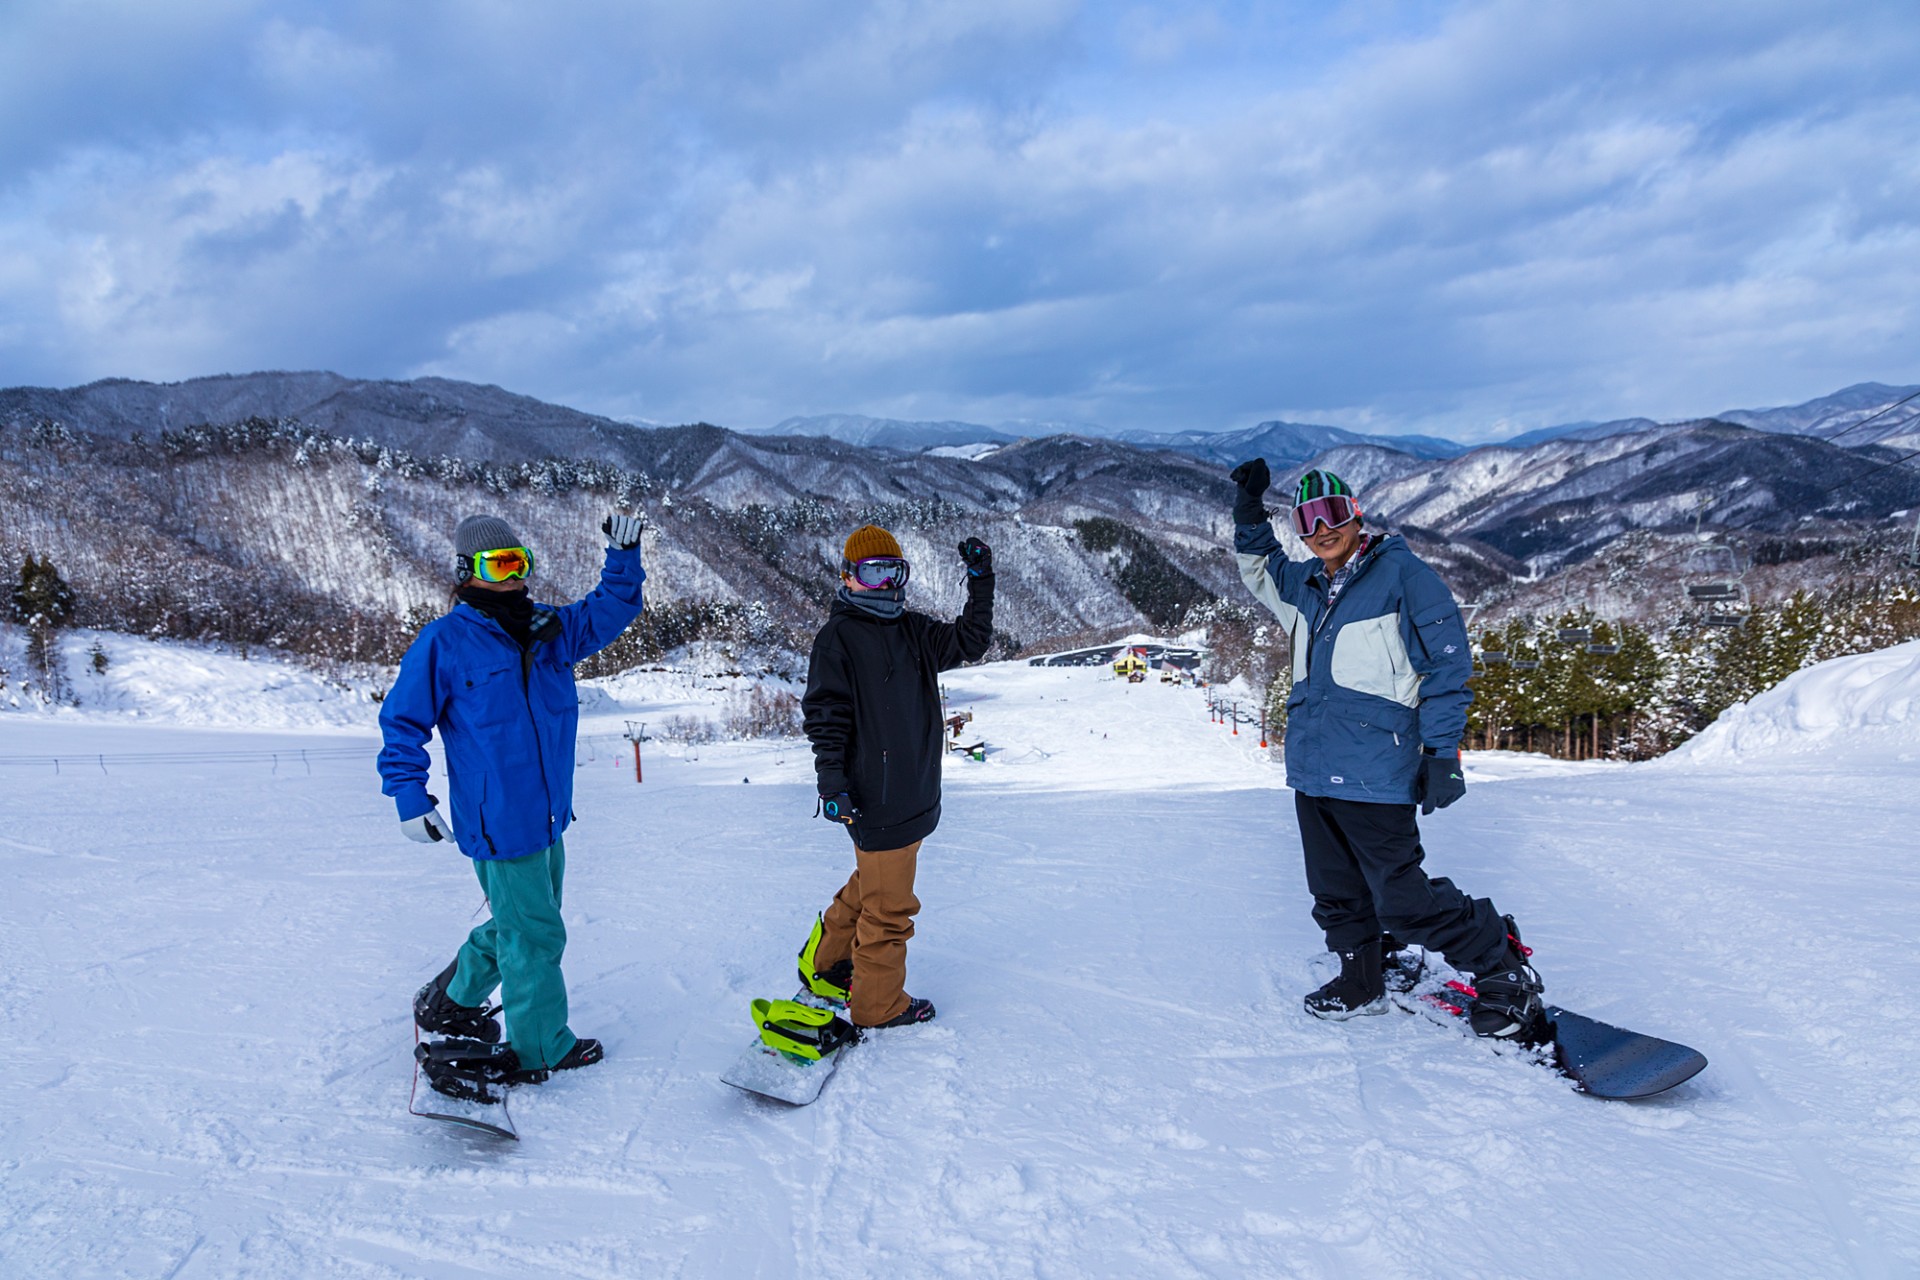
[1506, 999]
[831, 985]
[435, 1014]
[1358, 989]
[1402, 964]
[916, 1011]
[583, 1054]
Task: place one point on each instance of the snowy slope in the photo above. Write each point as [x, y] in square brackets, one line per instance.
[204, 685]
[1865, 704]
[205, 967]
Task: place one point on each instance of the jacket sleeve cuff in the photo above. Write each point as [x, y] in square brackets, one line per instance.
[1451, 751]
[412, 804]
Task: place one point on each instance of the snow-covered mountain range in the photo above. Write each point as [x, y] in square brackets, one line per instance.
[1832, 417]
[334, 503]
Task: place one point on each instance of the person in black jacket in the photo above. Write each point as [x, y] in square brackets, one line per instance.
[872, 712]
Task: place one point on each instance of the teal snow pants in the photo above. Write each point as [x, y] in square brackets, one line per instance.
[519, 950]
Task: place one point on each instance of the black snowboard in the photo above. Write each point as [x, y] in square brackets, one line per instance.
[1600, 1059]
[1611, 1062]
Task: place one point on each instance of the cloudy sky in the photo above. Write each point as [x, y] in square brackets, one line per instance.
[1462, 218]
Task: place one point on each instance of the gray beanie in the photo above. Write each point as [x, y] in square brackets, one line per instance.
[483, 533]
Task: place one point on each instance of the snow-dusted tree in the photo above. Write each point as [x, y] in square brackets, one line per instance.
[43, 603]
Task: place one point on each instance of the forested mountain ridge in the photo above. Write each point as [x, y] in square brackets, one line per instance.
[321, 518]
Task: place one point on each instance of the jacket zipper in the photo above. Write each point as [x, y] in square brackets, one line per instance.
[883, 777]
[1313, 636]
[526, 692]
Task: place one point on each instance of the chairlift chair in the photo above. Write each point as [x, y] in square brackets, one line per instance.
[1575, 635]
[1525, 664]
[1493, 658]
[1603, 650]
[1715, 581]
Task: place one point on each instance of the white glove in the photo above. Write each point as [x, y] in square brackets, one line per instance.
[427, 828]
[623, 532]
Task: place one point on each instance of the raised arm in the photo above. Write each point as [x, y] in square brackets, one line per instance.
[1264, 565]
[592, 623]
[968, 637]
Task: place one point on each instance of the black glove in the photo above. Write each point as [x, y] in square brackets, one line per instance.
[978, 557]
[838, 807]
[1253, 479]
[1440, 782]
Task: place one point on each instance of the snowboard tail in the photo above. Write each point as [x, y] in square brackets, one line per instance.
[1598, 1058]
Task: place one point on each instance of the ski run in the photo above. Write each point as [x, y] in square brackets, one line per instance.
[211, 931]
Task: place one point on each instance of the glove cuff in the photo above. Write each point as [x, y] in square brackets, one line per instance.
[1443, 753]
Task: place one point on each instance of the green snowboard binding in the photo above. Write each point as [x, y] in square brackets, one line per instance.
[832, 985]
[801, 1032]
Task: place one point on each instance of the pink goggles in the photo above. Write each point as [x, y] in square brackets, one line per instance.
[1334, 510]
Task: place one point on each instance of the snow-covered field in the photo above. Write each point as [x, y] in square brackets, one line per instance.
[205, 965]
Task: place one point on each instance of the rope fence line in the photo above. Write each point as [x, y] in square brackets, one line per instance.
[304, 757]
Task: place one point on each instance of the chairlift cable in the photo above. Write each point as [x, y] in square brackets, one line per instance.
[1864, 421]
[1871, 471]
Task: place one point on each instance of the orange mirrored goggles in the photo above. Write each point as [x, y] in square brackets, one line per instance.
[500, 565]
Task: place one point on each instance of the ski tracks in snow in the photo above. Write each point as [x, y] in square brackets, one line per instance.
[212, 1022]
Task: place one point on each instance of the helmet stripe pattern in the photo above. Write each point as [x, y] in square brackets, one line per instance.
[1320, 484]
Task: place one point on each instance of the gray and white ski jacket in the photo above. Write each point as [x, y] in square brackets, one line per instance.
[1376, 676]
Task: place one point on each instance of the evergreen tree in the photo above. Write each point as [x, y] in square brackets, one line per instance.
[43, 603]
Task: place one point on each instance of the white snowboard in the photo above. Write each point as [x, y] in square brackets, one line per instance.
[772, 1074]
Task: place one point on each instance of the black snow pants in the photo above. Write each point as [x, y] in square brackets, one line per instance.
[1363, 867]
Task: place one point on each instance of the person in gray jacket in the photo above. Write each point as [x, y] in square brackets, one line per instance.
[1379, 704]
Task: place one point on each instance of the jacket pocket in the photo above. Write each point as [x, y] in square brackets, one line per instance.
[485, 695]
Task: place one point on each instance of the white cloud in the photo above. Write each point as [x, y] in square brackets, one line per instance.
[1505, 215]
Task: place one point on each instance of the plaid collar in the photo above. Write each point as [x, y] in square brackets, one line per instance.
[1344, 574]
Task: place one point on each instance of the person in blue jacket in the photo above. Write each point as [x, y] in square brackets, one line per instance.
[495, 677]
[1379, 704]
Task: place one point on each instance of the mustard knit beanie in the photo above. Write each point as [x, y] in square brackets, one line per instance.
[868, 542]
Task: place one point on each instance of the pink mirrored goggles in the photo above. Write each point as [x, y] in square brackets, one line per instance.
[1334, 510]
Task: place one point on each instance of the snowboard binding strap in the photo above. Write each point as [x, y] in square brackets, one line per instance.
[471, 1070]
[811, 977]
[801, 1032]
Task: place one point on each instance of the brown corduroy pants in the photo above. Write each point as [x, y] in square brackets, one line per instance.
[870, 920]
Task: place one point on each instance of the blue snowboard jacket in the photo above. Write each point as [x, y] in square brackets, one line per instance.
[507, 717]
[1377, 677]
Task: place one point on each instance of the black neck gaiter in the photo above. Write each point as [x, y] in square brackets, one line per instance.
[513, 610]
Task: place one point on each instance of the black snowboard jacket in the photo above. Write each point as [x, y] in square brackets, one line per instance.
[872, 711]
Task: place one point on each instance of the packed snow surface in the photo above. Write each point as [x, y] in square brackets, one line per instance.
[1869, 702]
[208, 943]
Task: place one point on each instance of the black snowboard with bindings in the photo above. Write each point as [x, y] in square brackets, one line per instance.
[1597, 1058]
